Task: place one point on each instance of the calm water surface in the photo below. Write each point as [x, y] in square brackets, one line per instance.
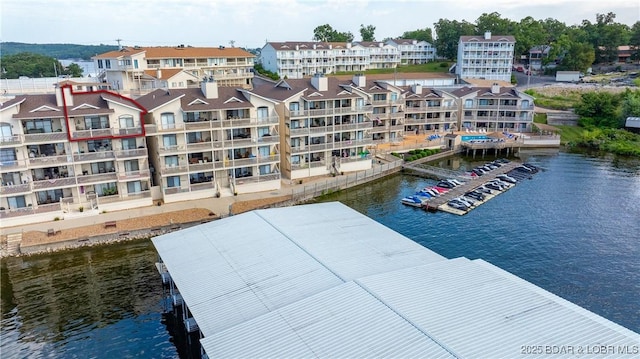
[572, 229]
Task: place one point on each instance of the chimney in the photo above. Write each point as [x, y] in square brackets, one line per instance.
[209, 88]
[487, 35]
[359, 80]
[158, 74]
[320, 82]
[495, 88]
[66, 92]
[417, 89]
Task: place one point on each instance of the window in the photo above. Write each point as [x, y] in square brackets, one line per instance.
[265, 170]
[134, 187]
[131, 166]
[102, 167]
[173, 181]
[194, 137]
[16, 202]
[107, 64]
[168, 120]
[468, 103]
[7, 156]
[100, 64]
[50, 196]
[263, 131]
[169, 141]
[128, 143]
[99, 145]
[263, 112]
[263, 151]
[126, 121]
[39, 126]
[5, 132]
[96, 123]
[171, 161]
[135, 64]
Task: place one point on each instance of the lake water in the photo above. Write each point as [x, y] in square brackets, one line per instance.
[572, 229]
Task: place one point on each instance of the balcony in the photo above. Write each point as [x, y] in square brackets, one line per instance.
[268, 159]
[201, 166]
[54, 183]
[94, 178]
[129, 131]
[138, 152]
[15, 189]
[170, 170]
[202, 186]
[88, 134]
[203, 125]
[205, 145]
[93, 156]
[50, 160]
[269, 139]
[25, 211]
[133, 175]
[258, 178]
[10, 140]
[45, 137]
[171, 149]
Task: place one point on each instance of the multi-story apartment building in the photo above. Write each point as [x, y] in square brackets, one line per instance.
[494, 109]
[212, 141]
[326, 126]
[429, 110]
[295, 60]
[72, 151]
[143, 69]
[487, 57]
[413, 52]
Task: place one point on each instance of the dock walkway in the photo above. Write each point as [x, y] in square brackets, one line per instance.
[469, 185]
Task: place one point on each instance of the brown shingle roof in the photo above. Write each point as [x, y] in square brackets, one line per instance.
[178, 52]
[165, 74]
[189, 99]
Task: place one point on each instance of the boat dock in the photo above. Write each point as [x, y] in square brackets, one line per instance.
[440, 202]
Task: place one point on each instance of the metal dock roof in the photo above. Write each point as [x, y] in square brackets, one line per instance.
[325, 281]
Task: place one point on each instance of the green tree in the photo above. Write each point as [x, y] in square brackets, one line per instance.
[599, 109]
[73, 70]
[552, 29]
[528, 33]
[630, 104]
[448, 35]
[495, 23]
[326, 33]
[578, 57]
[606, 35]
[29, 64]
[634, 41]
[367, 32]
[419, 34]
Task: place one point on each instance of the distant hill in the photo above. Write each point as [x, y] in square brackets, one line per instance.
[58, 51]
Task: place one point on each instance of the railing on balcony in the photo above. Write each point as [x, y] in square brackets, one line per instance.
[53, 183]
[201, 166]
[133, 175]
[203, 125]
[14, 189]
[257, 178]
[50, 160]
[45, 137]
[270, 158]
[81, 134]
[243, 162]
[200, 145]
[25, 211]
[100, 177]
[10, 140]
[127, 131]
[202, 186]
[171, 149]
[166, 170]
[137, 152]
[93, 156]
[269, 139]
[329, 111]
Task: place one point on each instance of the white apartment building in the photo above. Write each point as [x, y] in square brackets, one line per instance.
[413, 52]
[326, 125]
[211, 142]
[143, 69]
[494, 109]
[70, 152]
[487, 57]
[295, 60]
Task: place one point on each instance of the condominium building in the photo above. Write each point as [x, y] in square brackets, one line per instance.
[429, 110]
[295, 60]
[487, 57]
[494, 109]
[143, 69]
[212, 141]
[72, 151]
[413, 52]
[326, 126]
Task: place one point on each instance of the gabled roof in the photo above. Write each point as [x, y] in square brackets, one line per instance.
[165, 74]
[177, 52]
[12, 102]
[493, 38]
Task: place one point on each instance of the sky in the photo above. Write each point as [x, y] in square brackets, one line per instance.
[250, 23]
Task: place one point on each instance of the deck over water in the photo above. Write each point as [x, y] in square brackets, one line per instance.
[469, 184]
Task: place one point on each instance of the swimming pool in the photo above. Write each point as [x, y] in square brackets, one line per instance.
[478, 137]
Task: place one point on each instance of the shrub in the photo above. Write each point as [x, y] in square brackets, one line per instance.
[444, 64]
[56, 218]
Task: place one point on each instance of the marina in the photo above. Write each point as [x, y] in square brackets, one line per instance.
[468, 191]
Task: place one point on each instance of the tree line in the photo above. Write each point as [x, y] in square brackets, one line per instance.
[35, 65]
[575, 47]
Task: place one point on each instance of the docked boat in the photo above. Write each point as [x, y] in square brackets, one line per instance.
[413, 201]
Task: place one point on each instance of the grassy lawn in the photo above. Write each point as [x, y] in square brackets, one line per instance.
[564, 101]
[428, 67]
[570, 134]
